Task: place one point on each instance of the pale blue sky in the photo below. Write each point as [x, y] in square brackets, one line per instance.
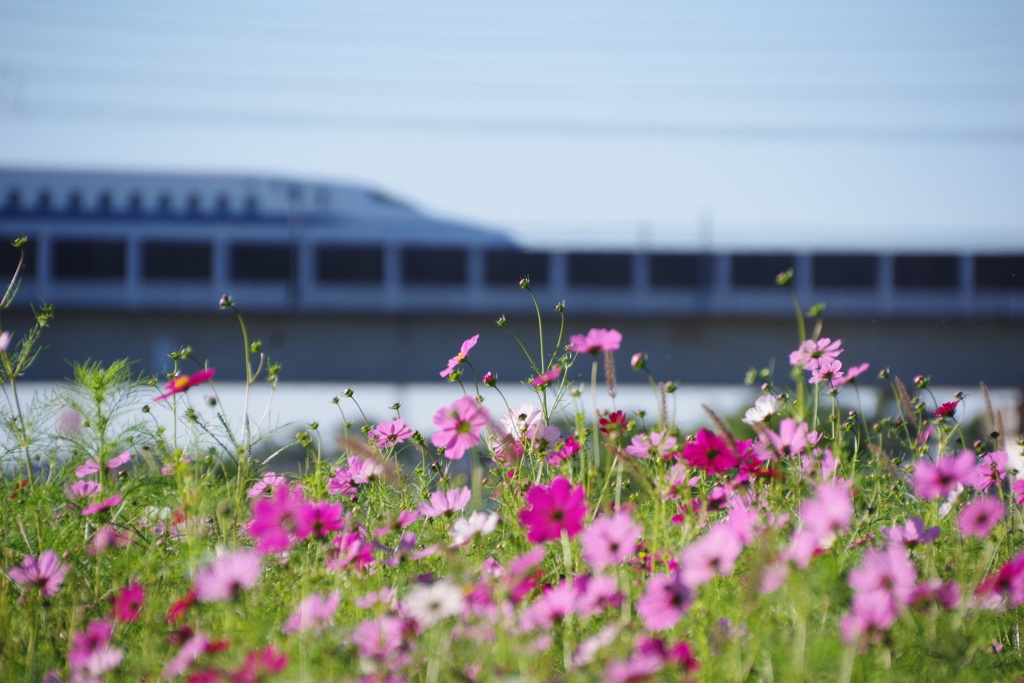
[643, 122]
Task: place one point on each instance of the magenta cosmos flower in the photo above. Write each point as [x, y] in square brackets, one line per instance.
[461, 356]
[46, 573]
[458, 426]
[596, 341]
[710, 453]
[553, 508]
[183, 383]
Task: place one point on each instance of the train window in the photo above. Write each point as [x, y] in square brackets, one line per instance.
[600, 269]
[759, 270]
[252, 205]
[135, 203]
[261, 262]
[223, 205]
[845, 271]
[999, 272]
[74, 202]
[343, 264]
[680, 270]
[164, 204]
[88, 259]
[194, 205]
[104, 203]
[13, 202]
[925, 272]
[508, 266]
[176, 261]
[430, 265]
[43, 202]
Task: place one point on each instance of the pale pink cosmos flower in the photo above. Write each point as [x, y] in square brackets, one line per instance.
[938, 479]
[713, 554]
[813, 353]
[597, 340]
[69, 421]
[610, 540]
[5, 340]
[45, 573]
[553, 605]
[655, 445]
[267, 485]
[314, 613]
[228, 575]
[461, 356]
[641, 666]
[664, 601]
[459, 426]
[912, 533]
[477, 524]
[190, 651]
[552, 509]
[980, 516]
[384, 596]
[446, 502]
[390, 434]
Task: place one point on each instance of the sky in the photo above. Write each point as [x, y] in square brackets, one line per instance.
[869, 124]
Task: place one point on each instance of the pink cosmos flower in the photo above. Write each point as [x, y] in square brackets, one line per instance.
[314, 613]
[183, 383]
[813, 353]
[91, 654]
[225, 577]
[102, 505]
[383, 640]
[350, 550]
[564, 451]
[267, 485]
[990, 471]
[597, 340]
[461, 356]
[553, 508]
[610, 540]
[664, 601]
[127, 602]
[871, 615]
[934, 590]
[359, 471]
[69, 420]
[83, 488]
[710, 452]
[793, 437]
[912, 533]
[446, 502]
[1007, 584]
[980, 516]
[655, 444]
[1018, 491]
[274, 520]
[829, 512]
[852, 374]
[544, 379]
[938, 479]
[830, 372]
[47, 573]
[553, 605]
[190, 651]
[119, 460]
[258, 666]
[459, 426]
[888, 572]
[390, 434]
[713, 554]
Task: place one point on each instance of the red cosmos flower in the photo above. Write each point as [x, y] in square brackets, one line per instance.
[183, 383]
[614, 425]
[946, 409]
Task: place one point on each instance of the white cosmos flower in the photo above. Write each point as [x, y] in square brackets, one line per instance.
[479, 523]
[764, 407]
[429, 604]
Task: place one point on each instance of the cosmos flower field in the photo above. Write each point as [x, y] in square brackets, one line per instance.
[561, 540]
